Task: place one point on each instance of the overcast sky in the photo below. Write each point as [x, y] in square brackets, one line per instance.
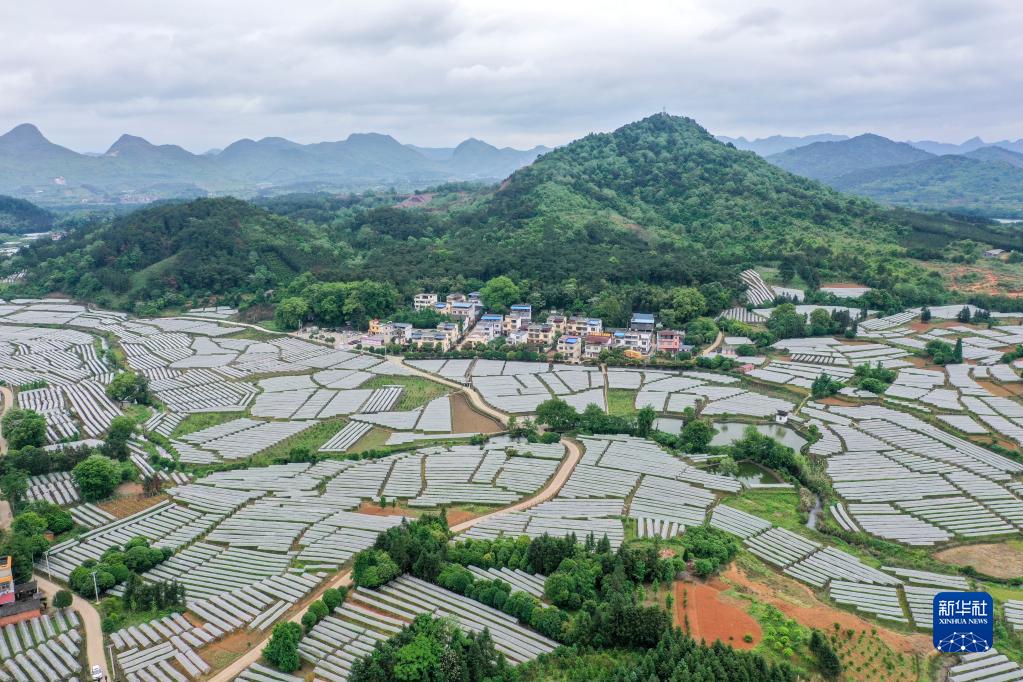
[203, 73]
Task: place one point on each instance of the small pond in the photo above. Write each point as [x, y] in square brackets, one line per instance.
[729, 432]
[752, 475]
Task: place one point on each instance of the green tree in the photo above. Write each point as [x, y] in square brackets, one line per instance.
[373, 568]
[118, 433]
[786, 323]
[291, 313]
[557, 414]
[23, 427]
[701, 331]
[62, 599]
[499, 293]
[14, 485]
[687, 303]
[696, 435]
[96, 477]
[645, 417]
[824, 386]
[281, 652]
[128, 387]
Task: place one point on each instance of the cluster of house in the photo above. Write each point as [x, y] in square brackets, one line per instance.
[574, 337]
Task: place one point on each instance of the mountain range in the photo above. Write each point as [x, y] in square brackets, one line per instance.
[608, 223]
[776, 144]
[133, 170]
[985, 180]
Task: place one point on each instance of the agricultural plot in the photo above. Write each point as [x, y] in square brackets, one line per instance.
[369, 616]
[42, 649]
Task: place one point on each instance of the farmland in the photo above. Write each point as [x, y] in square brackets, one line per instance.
[268, 491]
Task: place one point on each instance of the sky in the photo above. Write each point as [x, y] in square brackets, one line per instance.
[204, 73]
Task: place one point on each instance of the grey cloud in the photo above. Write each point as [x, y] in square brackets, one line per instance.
[202, 74]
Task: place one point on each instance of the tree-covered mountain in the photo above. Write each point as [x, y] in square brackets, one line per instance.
[826, 161]
[135, 171]
[987, 180]
[953, 183]
[610, 223]
[18, 216]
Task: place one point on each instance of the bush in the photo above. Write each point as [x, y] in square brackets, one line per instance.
[62, 599]
[97, 477]
[373, 568]
[281, 652]
[333, 597]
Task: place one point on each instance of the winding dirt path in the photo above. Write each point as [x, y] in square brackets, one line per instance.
[565, 470]
[474, 397]
[713, 347]
[8, 403]
[90, 620]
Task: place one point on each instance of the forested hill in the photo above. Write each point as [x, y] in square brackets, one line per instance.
[18, 216]
[611, 223]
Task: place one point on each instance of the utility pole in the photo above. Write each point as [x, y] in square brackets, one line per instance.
[95, 586]
[48, 574]
[110, 650]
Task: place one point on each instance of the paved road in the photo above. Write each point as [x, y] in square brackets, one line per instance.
[550, 490]
[474, 397]
[90, 619]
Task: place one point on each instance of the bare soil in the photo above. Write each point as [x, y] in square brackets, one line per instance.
[129, 500]
[714, 615]
[374, 509]
[1004, 390]
[999, 560]
[798, 602]
[464, 419]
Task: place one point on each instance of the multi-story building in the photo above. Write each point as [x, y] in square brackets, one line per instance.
[642, 322]
[6, 581]
[558, 321]
[570, 348]
[423, 301]
[541, 334]
[519, 337]
[639, 342]
[669, 341]
[487, 329]
[468, 311]
[577, 325]
[455, 298]
[594, 344]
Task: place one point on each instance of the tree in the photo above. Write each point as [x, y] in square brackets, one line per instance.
[728, 466]
[696, 435]
[97, 477]
[291, 313]
[24, 427]
[14, 485]
[957, 352]
[925, 314]
[701, 331]
[687, 303]
[62, 599]
[500, 293]
[827, 660]
[557, 414]
[964, 314]
[373, 568]
[824, 386]
[129, 387]
[645, 417]
[281, 651]
[118, 433]
[786, 322]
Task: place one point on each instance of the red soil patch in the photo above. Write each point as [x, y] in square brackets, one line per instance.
[130, 502]
[712, 616]
[813, 613]
[1004, 390]
[457, 516]
[836, 401]
[374, 509]
[415, 200]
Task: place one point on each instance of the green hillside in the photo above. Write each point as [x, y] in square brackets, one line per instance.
[18, 216]
[956, 183]
[611, 223]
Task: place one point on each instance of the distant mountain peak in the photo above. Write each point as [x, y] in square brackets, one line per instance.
[126, 143]
[24, 133]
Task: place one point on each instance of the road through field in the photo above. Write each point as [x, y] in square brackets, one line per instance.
[568, 464]
[90, 621]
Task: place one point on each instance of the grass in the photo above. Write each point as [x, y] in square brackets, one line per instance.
[312, 438]
[780, 507]
[418, 390]
[375, 439]
[198, 421]
[253, 334]
[138, 413]
[621, 401]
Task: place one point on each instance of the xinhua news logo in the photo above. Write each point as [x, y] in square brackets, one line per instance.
[963, 622]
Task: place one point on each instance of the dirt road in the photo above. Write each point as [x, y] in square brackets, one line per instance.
[474, 397]
[550, 490]
[90, 620]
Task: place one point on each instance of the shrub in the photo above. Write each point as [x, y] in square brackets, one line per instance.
[281, 651]
[62, 599]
